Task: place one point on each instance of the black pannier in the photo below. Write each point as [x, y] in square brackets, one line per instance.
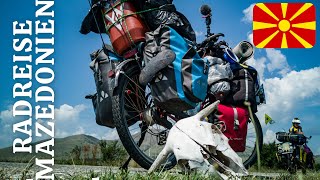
[299, 139]
[243, 86]
[103, 65]
[282, 136]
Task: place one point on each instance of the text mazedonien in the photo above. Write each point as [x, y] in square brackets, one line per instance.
[33, 75]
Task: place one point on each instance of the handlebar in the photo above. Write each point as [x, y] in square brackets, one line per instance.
[211, 38]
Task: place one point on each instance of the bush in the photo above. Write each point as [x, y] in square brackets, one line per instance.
[112, 152]
[317, 167]
[268, 156]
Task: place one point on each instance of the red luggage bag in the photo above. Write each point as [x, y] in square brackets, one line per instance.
[236, 125]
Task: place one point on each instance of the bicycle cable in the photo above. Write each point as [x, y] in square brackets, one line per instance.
[95, 19]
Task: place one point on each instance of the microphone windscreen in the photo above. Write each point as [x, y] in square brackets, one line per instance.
[205, 10]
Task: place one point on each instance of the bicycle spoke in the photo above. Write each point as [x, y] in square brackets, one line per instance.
[135, 93]
[134, 108]
[139, 138]
[141, 93]
[133, 81]
[133, 104]
[133, 117]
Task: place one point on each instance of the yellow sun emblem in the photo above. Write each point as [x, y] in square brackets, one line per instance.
[284, 25]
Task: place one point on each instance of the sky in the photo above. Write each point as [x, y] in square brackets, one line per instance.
[291, 77]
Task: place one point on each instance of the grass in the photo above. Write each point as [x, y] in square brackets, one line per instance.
[124, 175]
[176, 176]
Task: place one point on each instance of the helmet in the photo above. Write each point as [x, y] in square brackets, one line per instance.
[296, 120]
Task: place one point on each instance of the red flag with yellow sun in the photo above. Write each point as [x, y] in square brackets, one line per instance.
[284, 25]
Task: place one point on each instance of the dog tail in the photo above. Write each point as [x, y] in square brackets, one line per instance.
[207, 111]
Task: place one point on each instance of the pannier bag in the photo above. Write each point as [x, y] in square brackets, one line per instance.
[220, 75]
[182, 84]
[282, 136]
[103, 64]
[234, 123]
[243, 86]
[299, 139]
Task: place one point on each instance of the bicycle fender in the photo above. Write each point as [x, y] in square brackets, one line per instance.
[119, 70]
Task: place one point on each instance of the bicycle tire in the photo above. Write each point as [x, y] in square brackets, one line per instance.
[118, 101]
[253, 157]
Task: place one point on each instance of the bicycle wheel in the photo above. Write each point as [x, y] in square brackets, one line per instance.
[142, 138]
[249, 156]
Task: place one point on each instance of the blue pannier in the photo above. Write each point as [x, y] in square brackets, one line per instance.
[182, 84]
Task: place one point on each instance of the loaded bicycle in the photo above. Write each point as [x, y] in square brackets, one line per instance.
[293, 152]
[143, 113]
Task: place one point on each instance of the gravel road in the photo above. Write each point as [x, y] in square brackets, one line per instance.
[16, 170]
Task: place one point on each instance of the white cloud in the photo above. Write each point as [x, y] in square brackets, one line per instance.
[73, 120]
[6, 122]
[60, 133]
[250, 37]
[67, 112]
[278, 61]
[199, 33]
[6, 115]
[64, 131]
[269, 137]
[67, 120]
[80, 130]
[248, 14]
[274, 62]
[111, 135]
[284, 95]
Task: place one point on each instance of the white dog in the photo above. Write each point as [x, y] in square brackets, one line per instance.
[198, 145]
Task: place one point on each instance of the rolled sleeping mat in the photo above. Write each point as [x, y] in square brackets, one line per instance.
[160, 61]
[244, 50]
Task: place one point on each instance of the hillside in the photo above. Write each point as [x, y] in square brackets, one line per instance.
[62, 148]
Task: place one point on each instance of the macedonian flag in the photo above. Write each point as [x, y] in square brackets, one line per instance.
[284, 25]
